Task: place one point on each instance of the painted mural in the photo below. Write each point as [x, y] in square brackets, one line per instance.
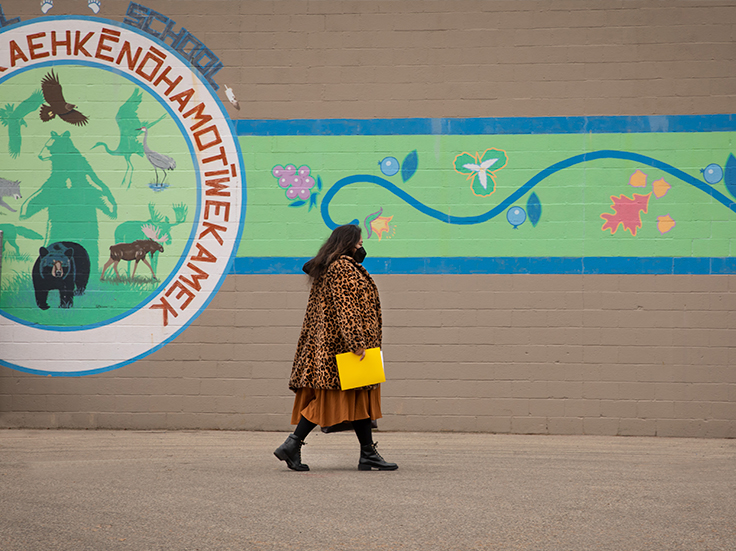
[121, 192]
[531, 193]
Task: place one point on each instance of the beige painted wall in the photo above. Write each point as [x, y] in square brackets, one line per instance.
[295, 59]
[644, 355]
[619, 355]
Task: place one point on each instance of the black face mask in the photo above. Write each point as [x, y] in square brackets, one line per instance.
[359, 255]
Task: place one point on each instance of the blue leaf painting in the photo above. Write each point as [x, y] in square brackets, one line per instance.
[409, 166]
[534, 209]
[319, 183]
[313, 200]
[729, 175]
[298, 204]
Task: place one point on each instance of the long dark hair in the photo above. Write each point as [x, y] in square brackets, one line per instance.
[342, 241]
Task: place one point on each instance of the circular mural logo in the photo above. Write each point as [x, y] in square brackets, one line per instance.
[121, 195]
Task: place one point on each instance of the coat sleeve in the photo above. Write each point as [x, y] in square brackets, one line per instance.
[346, 289]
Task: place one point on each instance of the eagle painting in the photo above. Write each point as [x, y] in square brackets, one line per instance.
[57, 105]
[13, 117]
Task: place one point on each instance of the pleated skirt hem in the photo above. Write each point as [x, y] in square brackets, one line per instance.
[332, 407]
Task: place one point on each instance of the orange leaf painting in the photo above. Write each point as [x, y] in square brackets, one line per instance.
[665, 223]
[661, 187]
[626, 213]
[638, 179]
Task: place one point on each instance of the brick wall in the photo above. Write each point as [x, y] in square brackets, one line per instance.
[628, 355]
[617, 355]
[417, 58]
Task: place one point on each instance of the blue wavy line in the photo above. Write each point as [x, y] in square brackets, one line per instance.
[519, 193]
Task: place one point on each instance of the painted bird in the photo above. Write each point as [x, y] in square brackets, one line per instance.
[231, 97]
[158, 160]
[129, 126]
[57, 105]
[13, 117]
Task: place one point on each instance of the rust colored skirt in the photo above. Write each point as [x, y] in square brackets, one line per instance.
[331, 407]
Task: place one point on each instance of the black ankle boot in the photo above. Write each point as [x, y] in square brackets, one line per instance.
[291, 452]
[371, 459]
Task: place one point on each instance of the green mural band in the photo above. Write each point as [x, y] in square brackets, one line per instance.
[646, 207]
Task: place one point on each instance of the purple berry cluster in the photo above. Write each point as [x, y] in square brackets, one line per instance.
[296, 182]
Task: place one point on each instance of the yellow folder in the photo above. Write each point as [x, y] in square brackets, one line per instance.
[355, 373]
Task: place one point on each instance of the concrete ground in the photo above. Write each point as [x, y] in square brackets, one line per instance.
[126, 490]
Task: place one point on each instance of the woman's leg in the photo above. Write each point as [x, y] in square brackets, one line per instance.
[369, 456]
[363, 431]
[304, 427]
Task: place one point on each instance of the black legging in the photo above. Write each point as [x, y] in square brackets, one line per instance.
[362, 428]
[304, 427]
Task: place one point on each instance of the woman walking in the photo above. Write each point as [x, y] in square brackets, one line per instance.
[343, 315]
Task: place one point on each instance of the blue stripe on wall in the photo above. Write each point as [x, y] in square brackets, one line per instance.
[506, 265]
[479, 126]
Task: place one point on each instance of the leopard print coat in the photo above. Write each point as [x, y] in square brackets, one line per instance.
[343, 315]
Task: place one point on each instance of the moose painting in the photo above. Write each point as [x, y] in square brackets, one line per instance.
[133, 230]
[135, 251]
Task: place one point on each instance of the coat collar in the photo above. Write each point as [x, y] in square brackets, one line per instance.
[355, 263]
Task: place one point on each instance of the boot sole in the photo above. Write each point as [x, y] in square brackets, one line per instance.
[371, 467]
[289, 464]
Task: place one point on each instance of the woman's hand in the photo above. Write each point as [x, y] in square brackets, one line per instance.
[360, 352]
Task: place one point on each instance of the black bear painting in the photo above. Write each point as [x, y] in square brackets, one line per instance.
[64, 266]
